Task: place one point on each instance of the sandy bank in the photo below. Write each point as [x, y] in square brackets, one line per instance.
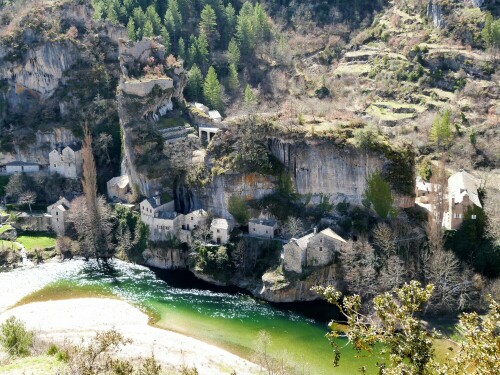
[81, 318]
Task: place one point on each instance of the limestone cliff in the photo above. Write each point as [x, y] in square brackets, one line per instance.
[250, 186]
[321, 168]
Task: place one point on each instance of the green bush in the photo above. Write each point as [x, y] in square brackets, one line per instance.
[15, 338]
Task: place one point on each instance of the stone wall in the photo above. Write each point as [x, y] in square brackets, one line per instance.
[144, 86]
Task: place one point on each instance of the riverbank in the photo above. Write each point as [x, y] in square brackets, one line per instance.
[76, 319]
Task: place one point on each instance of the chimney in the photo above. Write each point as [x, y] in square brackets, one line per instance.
[157, 200]
[315, 230]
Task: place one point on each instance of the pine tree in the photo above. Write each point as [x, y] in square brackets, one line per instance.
[202, 50]
[378, 193]
[112, 13]
[229, 23]
[441, 134]
[165, 39]
[155, 19]
[244, 29]
[261, 25]
[249, 96]
[233, 53]
[181, 51]
[194, 87]
[131, 29]
[212, 90]
[208, 22]
[139, 21]
[233, 84]
[148, 31]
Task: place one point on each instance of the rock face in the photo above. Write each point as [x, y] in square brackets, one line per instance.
[279, 289]
[215, 196]
[168, 259]
[38, 152]
[321, 169]
[41, 72]
[435, 13]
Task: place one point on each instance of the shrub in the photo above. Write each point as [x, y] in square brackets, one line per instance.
[15, 338]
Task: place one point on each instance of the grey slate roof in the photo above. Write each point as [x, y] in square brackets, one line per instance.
[265, 222]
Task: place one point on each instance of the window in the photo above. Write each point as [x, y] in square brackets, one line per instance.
[266, 231]
[57, 219]
[254, 229]
[69, 164]
[55, 165]
[320, 248]
[473, 217]
[218, 231]
[192, 218]
[57, 213]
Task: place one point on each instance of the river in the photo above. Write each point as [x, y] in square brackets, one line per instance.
[231, 321]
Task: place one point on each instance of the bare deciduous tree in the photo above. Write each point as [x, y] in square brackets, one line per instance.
[358, 264]
[293, 227]
[393, 274]
[27, 197]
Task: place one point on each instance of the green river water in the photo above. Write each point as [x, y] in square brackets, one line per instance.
[230, 321]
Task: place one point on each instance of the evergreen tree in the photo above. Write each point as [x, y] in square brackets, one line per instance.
[139, 21]
[212, 90]
[233, 53]
[249, 97]
[173, 19]
[129, 5]
[112, 13]
[208, 22]
[233, 84]
[487, 33]
[261, 26]
[131, 29]
[244, 29]
[148, 31]
[165, 39]
[194, 87]
[441, 134]
[181, 51]
[378, 193]
[229, 23]
[192, 54]
[202, 50]
[155, 19]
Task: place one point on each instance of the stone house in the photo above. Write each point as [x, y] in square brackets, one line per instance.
[163, 222]
[195, 219]
[262, 228]
[67, 160]
[462, 195]
[423, 188]
[59, 215]
[119, 188]
[192, 220]
[21, 167]
[313, 250]
[221, 231]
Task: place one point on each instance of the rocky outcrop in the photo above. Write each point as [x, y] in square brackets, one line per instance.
[168, 259]
[435, 13]
[40, 73]
[277, 288]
